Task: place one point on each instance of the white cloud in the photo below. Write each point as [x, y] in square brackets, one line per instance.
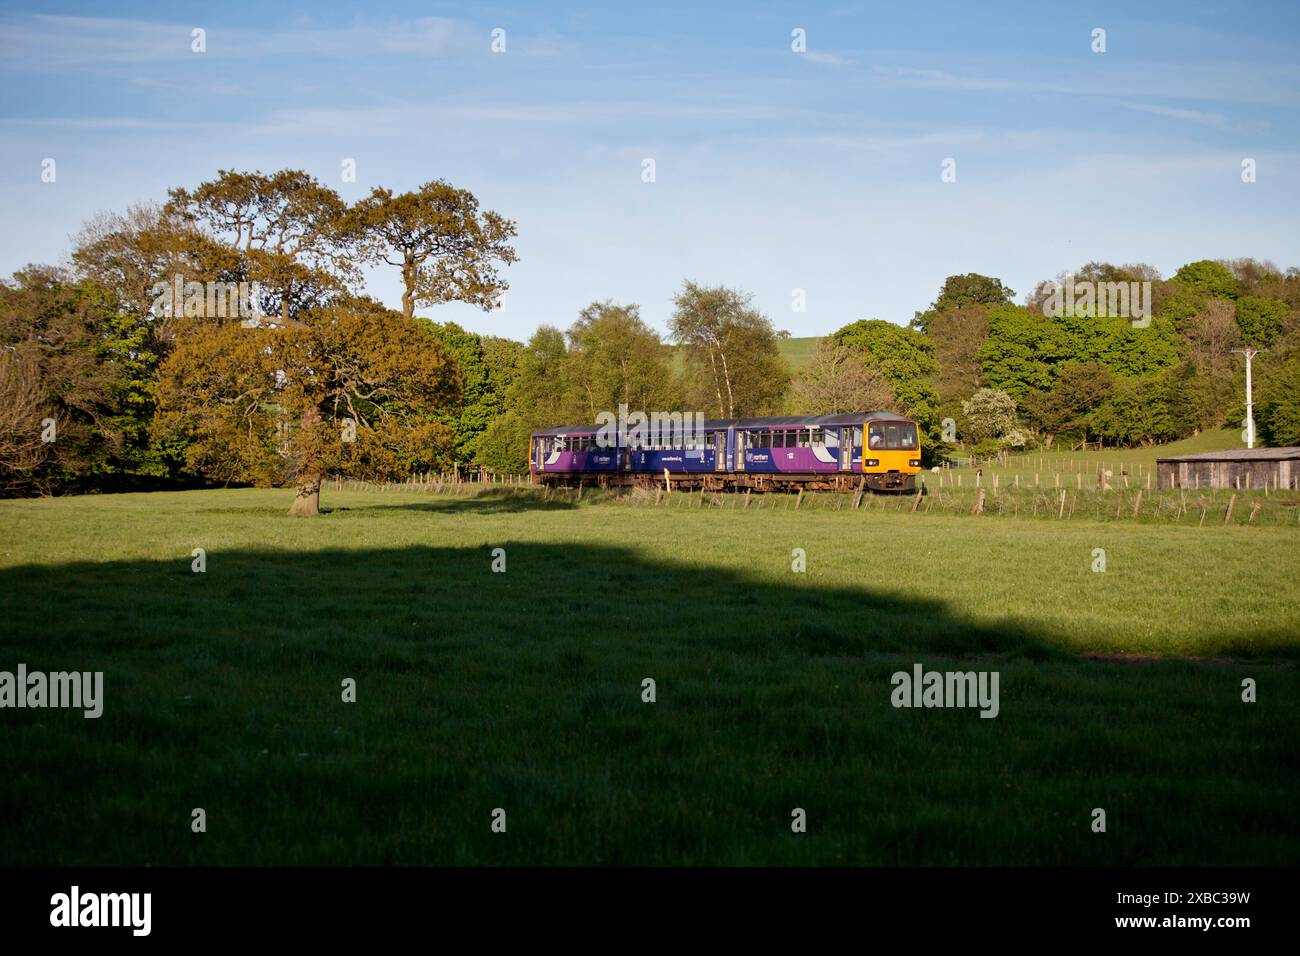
[57, 42]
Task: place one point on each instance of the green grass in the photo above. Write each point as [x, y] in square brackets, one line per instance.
[798, 352]
[1136, 461]
[1119, 690]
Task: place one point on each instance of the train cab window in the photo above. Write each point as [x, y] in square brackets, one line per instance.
[892, 436]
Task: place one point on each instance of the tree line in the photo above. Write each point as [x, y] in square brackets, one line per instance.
[121, 367]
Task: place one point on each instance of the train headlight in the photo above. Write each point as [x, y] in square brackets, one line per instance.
[873, 462]
[915, 463]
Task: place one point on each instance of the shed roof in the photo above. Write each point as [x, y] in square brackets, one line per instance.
[1240, 454]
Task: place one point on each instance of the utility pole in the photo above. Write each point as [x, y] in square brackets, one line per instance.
[1250, 354]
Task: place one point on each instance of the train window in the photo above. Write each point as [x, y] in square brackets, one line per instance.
[803, 437]
[894, 436]
[857, 436]
[818, 437]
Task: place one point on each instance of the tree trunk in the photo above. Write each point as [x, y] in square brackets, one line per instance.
[410, 276]
[306, 503]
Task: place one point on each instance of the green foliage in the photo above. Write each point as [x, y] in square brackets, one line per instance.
[1136, 413]
[963, 290]
[1197, 398]
[1277, 412]
[731, 350]
[504, 446]
[481, 401]
[1181, 305]
[1022, 350]
[904, 358]
[1208, 278]
[1025, 350]
[1261, 320]
[1080, 388]
[614, 358]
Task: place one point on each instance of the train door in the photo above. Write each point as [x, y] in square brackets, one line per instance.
[740, 442]
[539, 450]
[846, 448]
[720, 451]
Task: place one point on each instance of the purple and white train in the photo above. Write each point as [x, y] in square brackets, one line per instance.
[878, 450]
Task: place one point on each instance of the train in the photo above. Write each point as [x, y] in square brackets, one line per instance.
[878, 451]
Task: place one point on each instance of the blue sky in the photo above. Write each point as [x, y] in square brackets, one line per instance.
[775, 170]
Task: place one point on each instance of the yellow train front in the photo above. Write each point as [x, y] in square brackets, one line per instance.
[892, 456]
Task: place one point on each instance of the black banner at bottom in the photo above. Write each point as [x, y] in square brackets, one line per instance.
[334, 906]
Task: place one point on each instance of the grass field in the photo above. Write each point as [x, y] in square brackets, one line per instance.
[522, 690]
[798, 351]
[1135, 461]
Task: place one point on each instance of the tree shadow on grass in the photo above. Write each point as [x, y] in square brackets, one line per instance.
[548, 593]
[483, 503]
[523, 689]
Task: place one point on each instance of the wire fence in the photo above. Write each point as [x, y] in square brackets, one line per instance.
[1202, 508]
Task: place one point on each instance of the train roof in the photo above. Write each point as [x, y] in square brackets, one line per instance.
[853, 418]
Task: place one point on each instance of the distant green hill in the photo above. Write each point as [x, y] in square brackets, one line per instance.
[798, 352]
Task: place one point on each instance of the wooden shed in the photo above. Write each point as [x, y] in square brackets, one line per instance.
[1241, 468]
